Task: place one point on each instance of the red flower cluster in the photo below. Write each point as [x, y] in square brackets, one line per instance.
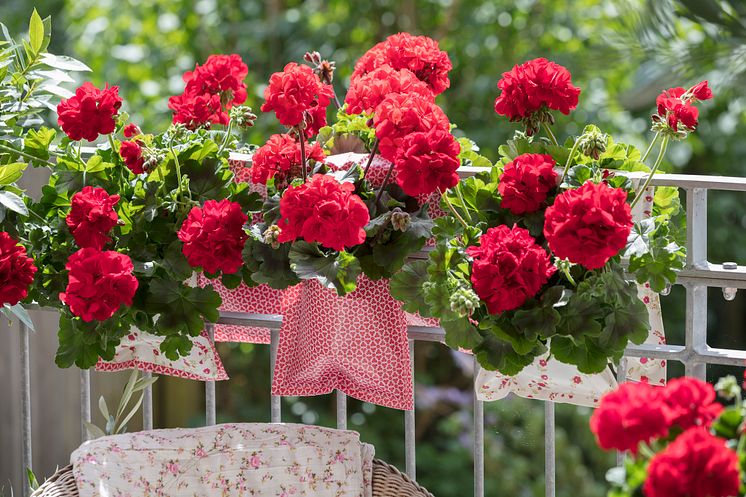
[281, 156]
[588, 225]
[692, 402]
[633, 413]
[526, 181]
[696, 464]
[92, 216]
[98, 284]
[420, 54]
[370, 89]
[90, 112]
[210, 90]
[214, 237]
[675, 105]
[427, 161]
[16, 271]
[400, 115]
[298, 97]
[131, 130]
[323, 210]
[509, 268]
[533, 86]
[131, 153]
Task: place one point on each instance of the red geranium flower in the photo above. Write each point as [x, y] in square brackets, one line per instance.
[131, 130]
[633, 413]
[675, 105]
[419, 54]
[131, 153]
[696, 464]
[526, 181]
[16, 270]
[535, 85]
[509, 268]
[399, 115]
[369, 90]
[281, 156]
[214, 237]
[90, 112]
[427, 161]
[98, 284]
[294, 92]
[197, 110]
[92, 216]
[324, 211]
[589, 225]
[692, 402]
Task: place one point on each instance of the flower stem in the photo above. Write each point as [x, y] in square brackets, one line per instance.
[302, 140]
[453, 209]
[336, 100]
[650, 147]
[177, 166]
[384, 183]
[227, 136]
[658, 160]
[549, 133]
[373, 152]
[569, 158]
[463, 204]
[30, 157]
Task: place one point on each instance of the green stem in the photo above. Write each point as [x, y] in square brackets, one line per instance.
[463, 204]
[453, 210]
[658, 160]
[373, 152]
[25, 155]
[178, 168]
[549, 133]
[569, 158]
[227, 136]
[302, 140]
[384, 183]
[650, 147]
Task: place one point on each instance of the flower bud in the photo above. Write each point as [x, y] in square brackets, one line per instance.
[243, 116]
[593, 142]
[464, 301]
[400, 220]
[727, 387]
[270, 236]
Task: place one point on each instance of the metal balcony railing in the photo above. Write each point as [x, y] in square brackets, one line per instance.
[695, 354]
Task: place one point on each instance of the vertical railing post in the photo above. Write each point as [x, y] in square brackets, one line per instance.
[409, 431]
[210, 408]
[85, 402]
[275, 400]
[549, 449]
[26, 439]
[478, 439]
[147, 403]
[696, 295]
[341, 400]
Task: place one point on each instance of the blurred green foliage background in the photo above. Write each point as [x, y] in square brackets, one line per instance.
[621, 53]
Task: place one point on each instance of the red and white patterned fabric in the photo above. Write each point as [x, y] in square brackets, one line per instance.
[140, 350]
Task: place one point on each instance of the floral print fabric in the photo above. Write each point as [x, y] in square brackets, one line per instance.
[231, 460]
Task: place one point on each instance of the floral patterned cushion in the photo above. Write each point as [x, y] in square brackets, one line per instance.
[251, 459]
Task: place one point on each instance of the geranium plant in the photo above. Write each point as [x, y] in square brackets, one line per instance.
[679, 441]
[331, 223]
[532, 258]
[119, 230]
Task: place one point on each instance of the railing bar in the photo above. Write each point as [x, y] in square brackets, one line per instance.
[549, 449]
[409, 433]
[275, 400]
[26, 438]
[147, 403]
[210, 407]
[85, 402]
[341, 410]
[478, 439]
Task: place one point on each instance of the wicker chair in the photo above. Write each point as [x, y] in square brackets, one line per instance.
[387, 482]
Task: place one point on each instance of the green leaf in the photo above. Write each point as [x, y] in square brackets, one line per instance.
[728, 423]
[175, 346]
[580, 317]
[37, 143]
[540, 321]
[337, 270]
[231, 281]
[13, 202]
[21, 313]
[586, 355]
[268, 265]
[63, 62]
[495, 354]
[460, 333]
[175, 263]
[83, 343]
[406, 286]
[10, 173]
[36, 32]
[96, 164]
[181, 307]
[628, 322]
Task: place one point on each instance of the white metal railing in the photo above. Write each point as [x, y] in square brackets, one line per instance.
[695, 354]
